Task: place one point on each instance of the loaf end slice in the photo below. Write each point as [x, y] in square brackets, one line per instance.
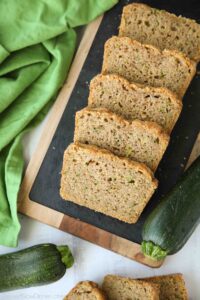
[172, 287]
[86, 290]
[142, 141]
[97, 179]
[161, 29]
[133, 101]
[122, 288]
[145, 64]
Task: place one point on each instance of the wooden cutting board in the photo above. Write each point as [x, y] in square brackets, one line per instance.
[39, 193]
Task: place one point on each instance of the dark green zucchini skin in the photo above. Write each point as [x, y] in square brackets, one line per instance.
[172, 222]
[37, 265]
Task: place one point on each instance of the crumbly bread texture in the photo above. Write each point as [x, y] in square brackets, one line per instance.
[97, 179]
[142, 141]
[122, 288]
[172, 287]
[86, 290]
[147, 65]
[161, 29]
[133, 101]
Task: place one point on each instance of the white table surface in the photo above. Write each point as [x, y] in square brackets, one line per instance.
[93, 262]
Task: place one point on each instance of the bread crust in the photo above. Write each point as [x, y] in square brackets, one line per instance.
[136, 87]
[130, 163]
[174, 18]
[177, 102]
[165, 53]
[156, 129]
[90, 286]
[147, 126]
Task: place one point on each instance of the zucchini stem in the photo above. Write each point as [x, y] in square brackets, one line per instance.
[153, 251]
[66, 256]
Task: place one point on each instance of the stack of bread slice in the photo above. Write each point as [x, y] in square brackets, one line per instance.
[133, 106]
[166, 287]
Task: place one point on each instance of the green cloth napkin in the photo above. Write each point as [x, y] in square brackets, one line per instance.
[37, 44]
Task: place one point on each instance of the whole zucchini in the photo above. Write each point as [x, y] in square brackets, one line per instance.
[37, 265]
[172, 222]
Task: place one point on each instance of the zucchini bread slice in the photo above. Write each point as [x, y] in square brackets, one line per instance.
[172, 287]
[99, 180]
[142, 141]
[161, 29]
[122, 288]
[147, 65]
[133, 101]
[86, 290]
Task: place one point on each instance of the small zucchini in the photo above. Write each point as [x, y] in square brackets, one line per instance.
[37, 265]
[172, 222]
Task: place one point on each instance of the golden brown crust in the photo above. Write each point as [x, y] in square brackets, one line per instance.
[130, 163]
[146, 125]
[165, 53]
[137, 87]
[178, 276]
[126, 85]
[89, 286]
[171, 16]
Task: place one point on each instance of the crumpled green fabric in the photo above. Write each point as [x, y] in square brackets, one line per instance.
[37, 44]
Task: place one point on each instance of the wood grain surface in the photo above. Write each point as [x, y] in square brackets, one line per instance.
[51, 217]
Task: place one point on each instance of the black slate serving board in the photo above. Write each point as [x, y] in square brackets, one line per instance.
[45, 189]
